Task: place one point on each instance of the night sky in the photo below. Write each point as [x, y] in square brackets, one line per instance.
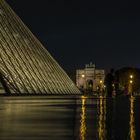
[77, 32]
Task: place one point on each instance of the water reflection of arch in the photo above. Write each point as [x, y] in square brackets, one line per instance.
[90, 118]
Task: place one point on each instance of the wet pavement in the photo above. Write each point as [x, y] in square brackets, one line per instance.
[68, 118]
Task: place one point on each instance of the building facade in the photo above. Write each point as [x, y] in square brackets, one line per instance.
[90, 78]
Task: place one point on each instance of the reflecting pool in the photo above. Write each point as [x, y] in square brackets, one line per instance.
[69, 118]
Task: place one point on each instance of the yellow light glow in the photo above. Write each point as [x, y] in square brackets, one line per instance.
[83, 75]
[131, 76]
[132, 132]
[83, 119]
[101, 81]
[101, 119]
[131, 81]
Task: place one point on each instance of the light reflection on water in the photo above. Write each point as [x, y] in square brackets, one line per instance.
[109, 116]
[83, 118]
[132, 133]
[102, 119]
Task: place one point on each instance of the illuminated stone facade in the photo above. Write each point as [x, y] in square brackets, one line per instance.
[25, 65]
[90, 78]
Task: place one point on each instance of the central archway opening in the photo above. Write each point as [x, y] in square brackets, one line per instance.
[89, 85]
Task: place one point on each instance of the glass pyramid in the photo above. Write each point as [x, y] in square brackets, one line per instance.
[25, 65]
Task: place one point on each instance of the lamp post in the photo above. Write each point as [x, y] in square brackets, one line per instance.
[101, 86]
[83, 83]
[131, 76]
[131, 84]
[83, 76]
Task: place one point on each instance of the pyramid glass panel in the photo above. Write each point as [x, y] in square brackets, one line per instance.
[25, 64]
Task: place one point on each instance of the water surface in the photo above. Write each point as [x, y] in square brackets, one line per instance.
[68, 118]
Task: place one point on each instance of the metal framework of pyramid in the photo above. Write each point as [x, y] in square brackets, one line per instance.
[25, 65]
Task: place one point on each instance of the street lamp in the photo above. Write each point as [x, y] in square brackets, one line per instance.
[101, 86]
[101, 81]
[131, 76]
[83, 75]
[130, 84]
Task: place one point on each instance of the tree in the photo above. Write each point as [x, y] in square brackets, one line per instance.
[123, 76]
